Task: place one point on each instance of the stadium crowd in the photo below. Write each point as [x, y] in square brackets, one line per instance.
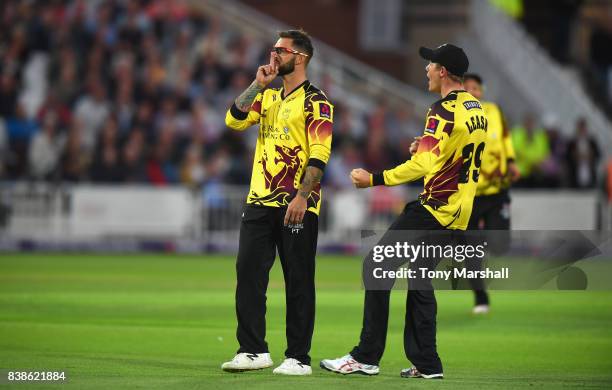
[136, 92]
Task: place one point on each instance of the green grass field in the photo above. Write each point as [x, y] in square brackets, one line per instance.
[166, 321]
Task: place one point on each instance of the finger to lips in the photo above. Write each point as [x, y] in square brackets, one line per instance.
[273, 65]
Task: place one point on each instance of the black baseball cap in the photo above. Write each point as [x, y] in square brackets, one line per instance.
[453, 58]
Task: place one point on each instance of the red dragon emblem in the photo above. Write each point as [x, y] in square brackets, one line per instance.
[281, 185]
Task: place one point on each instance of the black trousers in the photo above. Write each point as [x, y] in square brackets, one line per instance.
[421, 309]
[490, 212]
[261, 234]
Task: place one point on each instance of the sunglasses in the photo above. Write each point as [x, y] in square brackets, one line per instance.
[279, 50]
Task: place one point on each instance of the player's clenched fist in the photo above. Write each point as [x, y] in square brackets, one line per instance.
[360, 178]
[267, 73]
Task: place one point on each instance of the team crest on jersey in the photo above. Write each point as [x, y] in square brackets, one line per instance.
[432, 125]
[286, 113]
[286, 130]
[325, 110]
[470, 104]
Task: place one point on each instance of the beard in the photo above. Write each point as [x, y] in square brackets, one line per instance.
[286, 68]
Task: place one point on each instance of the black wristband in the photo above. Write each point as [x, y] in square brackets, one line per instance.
[378, 179]
[237, 113]
[315, 162]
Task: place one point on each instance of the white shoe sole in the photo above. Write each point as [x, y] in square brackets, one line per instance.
[235, 369]
[324, 366]
[291, 373]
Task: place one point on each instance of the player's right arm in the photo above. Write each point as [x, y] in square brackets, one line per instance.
[418, 166]
[411, 170]
[246, 110]
[425, 150]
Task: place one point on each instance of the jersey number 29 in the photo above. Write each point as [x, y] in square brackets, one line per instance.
[468, 156]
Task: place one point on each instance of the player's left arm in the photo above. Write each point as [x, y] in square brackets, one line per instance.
[319, 123]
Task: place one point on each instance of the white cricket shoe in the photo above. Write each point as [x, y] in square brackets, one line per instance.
[480, 309]
[293, 367]
[247, 362]
[347, 365]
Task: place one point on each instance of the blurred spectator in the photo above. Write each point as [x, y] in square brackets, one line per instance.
[8, 93]
[552, 169]
[348, 124]
[344, 159]
[46, 148]
[582, 157]
[52, 103]
[205, 122]
[106, 167]
[532, 149]
[192, 169]
[377, 156]
[133, 164]
[4, 147]
[91, 111]
[75, 160]
[609, 180]
[20, 131]
[160, 168]
[65, 71]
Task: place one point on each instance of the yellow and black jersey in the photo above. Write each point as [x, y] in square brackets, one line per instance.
[448, 157]
[294, 131]
[499, 150]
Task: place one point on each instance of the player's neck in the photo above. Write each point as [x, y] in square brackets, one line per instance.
[449, 87]
[292, 81]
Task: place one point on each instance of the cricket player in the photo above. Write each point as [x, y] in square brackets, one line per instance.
[282, 207]
[491, 210]
[448, 158]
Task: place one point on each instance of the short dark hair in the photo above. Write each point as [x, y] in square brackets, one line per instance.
[472, 76]
[301, 41]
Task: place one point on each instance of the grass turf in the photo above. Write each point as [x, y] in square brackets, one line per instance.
[160, 321]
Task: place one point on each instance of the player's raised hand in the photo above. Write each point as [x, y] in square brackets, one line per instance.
[360, 178]
[414, 146]
[267, 73]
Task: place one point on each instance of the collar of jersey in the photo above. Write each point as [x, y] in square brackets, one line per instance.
[451, 94]
[456, 91]
[303, 85]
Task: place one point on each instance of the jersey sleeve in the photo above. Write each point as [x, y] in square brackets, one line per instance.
[240, 120]
[422, 161]
[319, 124]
